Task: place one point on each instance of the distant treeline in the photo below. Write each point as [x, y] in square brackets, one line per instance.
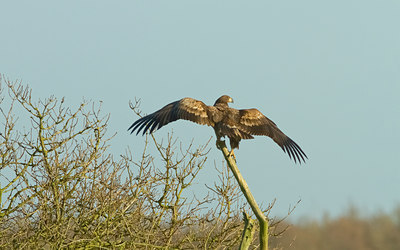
[350, 231]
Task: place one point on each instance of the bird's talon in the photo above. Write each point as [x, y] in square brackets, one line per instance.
[232, 155]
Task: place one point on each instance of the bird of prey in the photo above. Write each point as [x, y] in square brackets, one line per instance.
[226, 121]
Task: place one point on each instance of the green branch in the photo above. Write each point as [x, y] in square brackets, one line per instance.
[262, 219]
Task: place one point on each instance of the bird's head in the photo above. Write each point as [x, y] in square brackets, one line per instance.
[224, 100]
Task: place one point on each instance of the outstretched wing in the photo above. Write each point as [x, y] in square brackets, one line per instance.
[254, 122]
[186, 108]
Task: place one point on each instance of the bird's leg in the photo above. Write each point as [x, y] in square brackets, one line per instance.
[231, 153]
[218, 142]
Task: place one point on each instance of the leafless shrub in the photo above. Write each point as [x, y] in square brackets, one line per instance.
[61, 188]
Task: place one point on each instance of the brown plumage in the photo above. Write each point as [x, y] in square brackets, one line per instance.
[226, 121]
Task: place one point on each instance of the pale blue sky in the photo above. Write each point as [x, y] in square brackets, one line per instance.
[327, 72]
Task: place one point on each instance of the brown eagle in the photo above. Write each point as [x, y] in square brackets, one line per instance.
[226, 121]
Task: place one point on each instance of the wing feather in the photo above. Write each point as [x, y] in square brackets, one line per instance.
[254, 122]
[186, 109]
